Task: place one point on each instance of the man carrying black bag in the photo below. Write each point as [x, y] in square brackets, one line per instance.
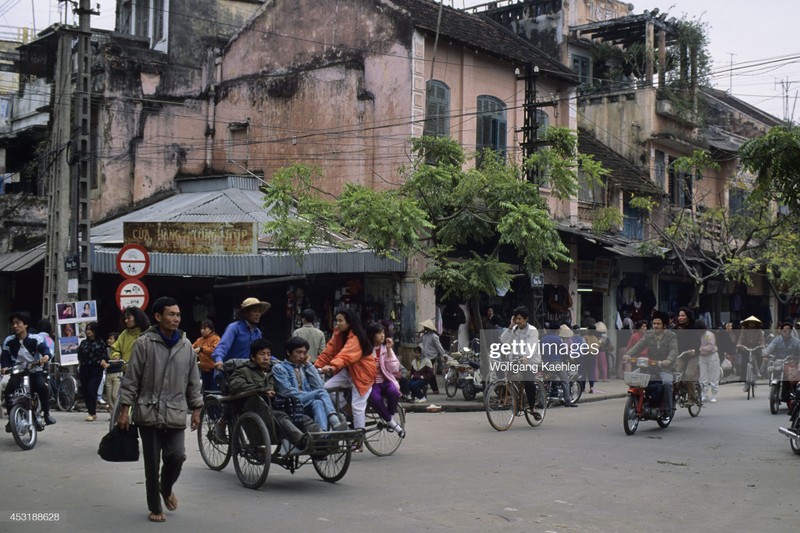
[162, 382]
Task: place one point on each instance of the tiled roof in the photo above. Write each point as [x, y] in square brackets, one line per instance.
[625, 174]
[741, 106]
[483, 33]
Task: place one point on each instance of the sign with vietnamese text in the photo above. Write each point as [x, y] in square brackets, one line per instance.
[213, 238]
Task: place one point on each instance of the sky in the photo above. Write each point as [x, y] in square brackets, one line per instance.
[757, 33]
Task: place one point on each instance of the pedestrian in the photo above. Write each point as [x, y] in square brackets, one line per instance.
[92, 353]
[605, 359]
[28, 348]
[312, 335]
[163, 382]
[135, 322]
[589, 370]
[348, 358]
[204, 347]
[240, 334]
[709, 361]
[432, 350]
[113, 368]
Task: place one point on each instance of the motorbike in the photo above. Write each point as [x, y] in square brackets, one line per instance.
[782, 378]
[793, 431]
[25, 418]
[463, 372]
[645, 399]
[555, 391]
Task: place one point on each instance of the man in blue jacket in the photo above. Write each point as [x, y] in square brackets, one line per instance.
[239, 335]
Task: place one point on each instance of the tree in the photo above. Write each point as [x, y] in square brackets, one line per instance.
[716, 242]
[464, 222]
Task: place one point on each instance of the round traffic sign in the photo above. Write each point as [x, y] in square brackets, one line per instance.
[132, 292]
[133, 261]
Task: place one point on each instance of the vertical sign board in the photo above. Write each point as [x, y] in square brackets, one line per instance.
[133, 262]
[71, 320]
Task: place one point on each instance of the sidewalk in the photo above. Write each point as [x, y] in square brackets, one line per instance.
[613, 388]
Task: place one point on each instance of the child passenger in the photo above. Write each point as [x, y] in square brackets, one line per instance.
[385, 393]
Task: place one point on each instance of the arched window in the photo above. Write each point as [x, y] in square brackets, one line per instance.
[437, 109]
[492, 125]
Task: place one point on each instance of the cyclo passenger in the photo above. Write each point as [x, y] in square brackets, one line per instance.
[784, 346]
[255, 375]
[296, 378]
[661, 346]
[524, 341]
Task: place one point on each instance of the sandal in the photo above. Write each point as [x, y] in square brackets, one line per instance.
[154, 517]
[170, 502]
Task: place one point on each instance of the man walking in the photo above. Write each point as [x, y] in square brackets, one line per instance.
[313, 336]
[239, 335]
[163, 382]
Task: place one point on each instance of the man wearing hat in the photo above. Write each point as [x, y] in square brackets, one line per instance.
[662, 346]
[239, 335]
[784, 346]
[432, 349]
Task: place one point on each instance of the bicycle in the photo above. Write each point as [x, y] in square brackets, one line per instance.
[378, 437]
[750, 373]
[503, 399]
[63, 387]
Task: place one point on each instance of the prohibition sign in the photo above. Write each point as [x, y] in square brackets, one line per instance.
[133, 261]
[132, 292]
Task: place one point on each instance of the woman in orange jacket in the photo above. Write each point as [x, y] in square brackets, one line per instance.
[348, 357]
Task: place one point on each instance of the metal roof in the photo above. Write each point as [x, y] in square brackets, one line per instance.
[17, 261]
[230, 205]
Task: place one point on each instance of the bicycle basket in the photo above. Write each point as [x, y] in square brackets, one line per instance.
[636, 379]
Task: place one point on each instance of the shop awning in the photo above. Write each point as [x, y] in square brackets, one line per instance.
[17, 261]
[240, 201]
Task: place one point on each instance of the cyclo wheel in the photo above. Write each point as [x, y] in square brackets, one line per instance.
[25, 433]
[67, 389]
[500, 402]
[630, 420]
[333, 467]
[695, 408]
[251, 450]
[215, 453]
[468, 390]
[795, 443]
[451, 382]
[378, 438]
[536, 409]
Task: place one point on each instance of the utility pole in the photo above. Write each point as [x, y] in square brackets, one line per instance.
[68, 261]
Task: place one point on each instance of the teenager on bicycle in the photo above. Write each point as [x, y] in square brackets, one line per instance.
[525, 337]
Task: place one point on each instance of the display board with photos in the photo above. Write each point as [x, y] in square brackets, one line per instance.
[71, 320]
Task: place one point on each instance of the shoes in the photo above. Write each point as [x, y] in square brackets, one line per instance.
[591, 390]
[570, 405]
[220, 433]
[8, 427]
[302, 444]
[101, 401]
[400, 432]
[713, 399]
[49, 420]
[341, 426]
[91, 418]
[421, 400]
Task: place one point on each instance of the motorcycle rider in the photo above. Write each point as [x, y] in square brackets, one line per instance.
[662, 346]
[784, 347]
[22, 347]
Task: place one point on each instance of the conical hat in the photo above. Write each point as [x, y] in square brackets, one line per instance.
[751, 318]
[565, 332]
[428, 324]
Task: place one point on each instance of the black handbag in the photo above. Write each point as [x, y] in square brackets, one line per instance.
[120, 446]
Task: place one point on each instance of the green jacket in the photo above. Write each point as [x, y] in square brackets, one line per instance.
[249, 377]
[659, 347]
[123, 346]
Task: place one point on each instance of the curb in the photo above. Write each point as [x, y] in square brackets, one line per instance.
[477, 406]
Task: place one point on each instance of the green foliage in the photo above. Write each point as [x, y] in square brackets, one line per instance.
[606, 220]
[646, 204]
[459, 220]
[775, 159]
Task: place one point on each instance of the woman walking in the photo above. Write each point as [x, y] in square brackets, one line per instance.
[709, 361]
[92, 353]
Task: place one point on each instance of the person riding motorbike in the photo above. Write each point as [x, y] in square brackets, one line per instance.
[784, 346]
[661, 346]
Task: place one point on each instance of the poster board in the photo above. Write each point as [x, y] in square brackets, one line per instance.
[71, 320]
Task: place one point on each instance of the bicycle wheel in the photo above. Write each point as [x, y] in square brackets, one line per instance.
[451, 382]
[630, 420]
[695, 408]
[24, 432]
[378, 438]
[333, 466]
[67, 392]
[536, 409]
[500, 402]
[774, 399]
[215, 452]
[575, 391]
[749, 385]
[251, 450]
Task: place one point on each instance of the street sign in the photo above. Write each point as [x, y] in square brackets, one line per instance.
[72, 262]
[133, 261]
[132, 292]
[537, 280]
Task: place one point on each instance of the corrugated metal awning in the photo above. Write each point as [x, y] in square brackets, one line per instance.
[16, 261]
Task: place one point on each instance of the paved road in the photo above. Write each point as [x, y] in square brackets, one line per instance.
[727, 470]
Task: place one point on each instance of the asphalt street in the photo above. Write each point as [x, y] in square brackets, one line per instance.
[726, 470]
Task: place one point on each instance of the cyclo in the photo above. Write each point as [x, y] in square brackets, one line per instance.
[256, 441]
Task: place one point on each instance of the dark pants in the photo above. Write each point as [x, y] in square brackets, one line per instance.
[157, 445]
[38, 385]
[530, 392]
[388, 392]
[209, 383]
[417, 387]
[91, 376]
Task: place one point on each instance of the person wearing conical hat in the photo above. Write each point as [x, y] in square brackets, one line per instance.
[752, 336]
[240, 334]
[432, 350]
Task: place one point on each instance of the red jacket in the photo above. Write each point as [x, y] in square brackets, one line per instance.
[346, 353]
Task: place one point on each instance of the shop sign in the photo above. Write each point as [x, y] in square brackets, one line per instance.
[212, 238]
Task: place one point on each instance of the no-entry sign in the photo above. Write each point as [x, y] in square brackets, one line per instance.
[132, 292]
[133, 261]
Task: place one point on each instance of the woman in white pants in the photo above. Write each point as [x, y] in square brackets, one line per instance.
[709, 361]
[348, 356]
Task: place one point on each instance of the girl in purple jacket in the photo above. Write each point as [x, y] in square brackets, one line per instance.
[385, 393]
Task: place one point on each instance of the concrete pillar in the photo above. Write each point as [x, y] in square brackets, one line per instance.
[662, 58]
[649, 48]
